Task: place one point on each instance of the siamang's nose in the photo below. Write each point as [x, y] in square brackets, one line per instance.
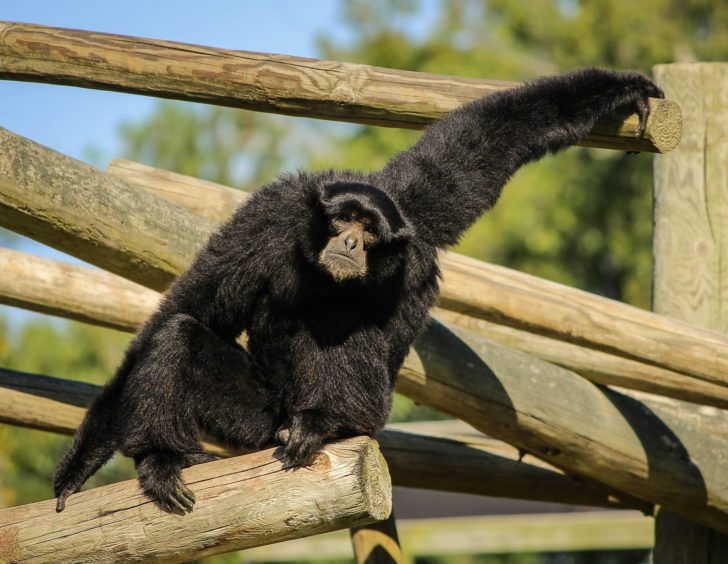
[351, 243]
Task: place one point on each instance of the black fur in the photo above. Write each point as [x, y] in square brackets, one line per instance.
[323, 355]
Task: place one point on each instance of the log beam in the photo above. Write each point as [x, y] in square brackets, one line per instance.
[276, 83]
[74, 292]
[629, 445]
[72, 207]
[242, 502]
[58, 405]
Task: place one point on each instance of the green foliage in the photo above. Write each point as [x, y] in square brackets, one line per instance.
[64, 349]
[232, 147]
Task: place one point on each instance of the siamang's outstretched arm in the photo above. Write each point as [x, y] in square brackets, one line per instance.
[458, 167]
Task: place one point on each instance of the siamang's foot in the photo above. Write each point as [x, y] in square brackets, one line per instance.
[160, 478]
[304, 436]
[62, 494]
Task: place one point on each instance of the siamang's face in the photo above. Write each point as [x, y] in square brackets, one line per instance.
[344, 257]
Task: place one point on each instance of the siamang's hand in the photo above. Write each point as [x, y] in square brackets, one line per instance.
[303, 436]
[638, 88]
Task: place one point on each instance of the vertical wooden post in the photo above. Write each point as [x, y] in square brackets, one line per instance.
[377, 543]
[690, 280]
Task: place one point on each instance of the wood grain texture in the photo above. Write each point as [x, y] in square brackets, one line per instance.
[690, 253]
[604, 340]
[275, 83]
[69, 205]
[212, 201]
[242, 502]
[476, 464]
[74, 292]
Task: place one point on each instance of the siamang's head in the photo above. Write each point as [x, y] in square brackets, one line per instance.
[366, 231]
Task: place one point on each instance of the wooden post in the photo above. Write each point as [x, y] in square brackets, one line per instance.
[691, 253]
[242, 502]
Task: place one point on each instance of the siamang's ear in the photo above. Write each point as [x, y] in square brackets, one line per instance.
[393, 225]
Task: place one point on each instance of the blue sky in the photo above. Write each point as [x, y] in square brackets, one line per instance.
[72, 119]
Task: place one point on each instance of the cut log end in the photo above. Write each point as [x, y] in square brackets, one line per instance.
[665, 125]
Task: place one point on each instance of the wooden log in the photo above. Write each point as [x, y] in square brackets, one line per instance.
[101, 298]
[212, 201]
[71, 206]
[604, 340]
[519, 300]
[242, 502]
[57, 405]
[276, 83]
[492, 534]
[597, 366]
[587, 430]
[690, 268]
[72, 291]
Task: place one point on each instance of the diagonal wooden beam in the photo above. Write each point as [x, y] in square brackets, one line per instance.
[607, 341]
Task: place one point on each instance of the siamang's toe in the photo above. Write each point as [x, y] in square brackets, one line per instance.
[282, 435]
[160, 478]
[174, 496]
[301, 447]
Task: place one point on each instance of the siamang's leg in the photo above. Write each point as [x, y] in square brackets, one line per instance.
[202, 382]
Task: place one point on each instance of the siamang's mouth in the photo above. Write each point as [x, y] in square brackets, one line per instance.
[346, 258]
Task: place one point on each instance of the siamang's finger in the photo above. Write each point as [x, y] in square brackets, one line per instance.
[643, 110]
[183, 500]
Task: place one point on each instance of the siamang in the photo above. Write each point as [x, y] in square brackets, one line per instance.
[332, 275]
